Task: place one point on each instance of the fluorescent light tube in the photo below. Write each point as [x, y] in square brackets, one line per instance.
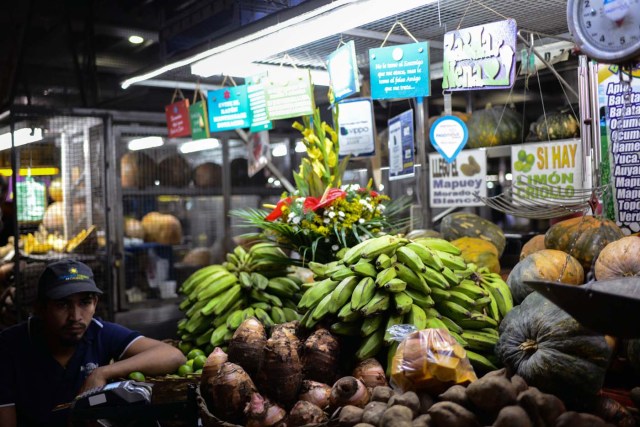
[279, 150]
[144, 143]
[20, 137]
[134, 39]
[199, 145]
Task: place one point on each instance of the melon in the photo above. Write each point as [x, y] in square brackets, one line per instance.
[174, 171]
[162, 228]
[53, 219]
[207, 175]
[198, 257]
[137, 170]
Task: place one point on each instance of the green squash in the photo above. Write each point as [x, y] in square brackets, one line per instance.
[494, 126]
[552, 351]
[462, 224]
[557, 126]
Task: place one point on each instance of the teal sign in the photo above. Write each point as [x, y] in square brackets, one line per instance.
[258, 104]
[229, 108]
[343, 71]
[400, 71]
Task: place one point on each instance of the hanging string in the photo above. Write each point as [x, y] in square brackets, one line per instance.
[391, 31]
[464, 14]
[177, 92]
[225, 80]
[483, 5]
[340, 42]
[286, 56]
[439, 17]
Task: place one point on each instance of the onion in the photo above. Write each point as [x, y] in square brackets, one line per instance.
[231, 390]
[349, 391]
[321, 353]
[304, 413]
[247, 344]
[316, 393]
[211, 368]
[371, 373]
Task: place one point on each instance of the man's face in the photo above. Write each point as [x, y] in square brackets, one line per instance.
[68, 318]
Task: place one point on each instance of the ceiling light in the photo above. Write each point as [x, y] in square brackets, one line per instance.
[199, 145]
[144, 143]
[20, 137]
[133, 39]
[279, 150]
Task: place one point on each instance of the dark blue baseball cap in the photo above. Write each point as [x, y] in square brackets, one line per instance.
[66, 277]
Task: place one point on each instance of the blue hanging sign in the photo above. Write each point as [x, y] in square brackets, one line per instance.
[343, 71]
[449, 135]
[401, 146]
[258, 104]
[229, 108]
[399, 71]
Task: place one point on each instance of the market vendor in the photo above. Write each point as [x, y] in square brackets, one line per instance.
[63, 350]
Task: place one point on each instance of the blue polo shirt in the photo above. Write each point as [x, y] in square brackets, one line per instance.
[33, 381]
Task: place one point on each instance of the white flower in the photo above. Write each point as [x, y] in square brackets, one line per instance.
[326, 240]
[332, 214]
[361, 220]
[327, 220]
[341, 214]
[335, 247]
[297, 220]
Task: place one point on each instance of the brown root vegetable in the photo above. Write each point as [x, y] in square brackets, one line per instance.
[210, 369]
[320, 355]
[260, 412]
[304, 413]
[394, 415]
[542, 408]
[231, 390]
[635, 396]
[491, 393]
[288, 327]
[577, 419]
[373, 412]
[519, 383]
[511, 416]
[409, 399]
[371, 373]
[426, 402]
[315, 392]
[497, 373]
[422, 421]
[456, 394]
[613, 412]
[349, 416]
[247, 345]
[381, 394]
[451, 414]
[349, 391]
[281, 373]
[364, 425]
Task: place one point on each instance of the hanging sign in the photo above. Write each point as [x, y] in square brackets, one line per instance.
[198, 117]
[31, 200]
[177, 115]
[401, 146]
[449, 135]
[288, 98]
[343, 71]
[481, 57]
[399, 71]
[229, 108]
[620, 141]
[259, 118]
[357, 129]
[259, 152]
[458, 182]
[553, 53]
[547, 171]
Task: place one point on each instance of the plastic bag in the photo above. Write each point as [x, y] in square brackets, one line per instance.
[430, 360]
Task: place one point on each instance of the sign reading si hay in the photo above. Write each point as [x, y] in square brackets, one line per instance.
[228, 108]
[548, 171]
[481, 57]
[456, 183]
[357, 133]
[343, 71]
[289, 98]
[399, 71]
[401, 146]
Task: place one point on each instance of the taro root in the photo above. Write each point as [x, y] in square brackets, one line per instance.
[231, 390]
[371, 373]
[260, 412]
[491, 393]
[349, 391]
[290, 327]
[211, 368]
[321, 353]
[577, 419]
[246, 346]
[511, 416]
[444, 414]
[373, 412]
[422, 421]
[395, 416]
[349, 416]
[426, 402]
[364, 425]
[304, 413]
[280, 376]
[409, 399]
[456, 394]
[635, 396]
[519, 383]
[381, 394]
[613, 412]
[315, 392]
[542, 408]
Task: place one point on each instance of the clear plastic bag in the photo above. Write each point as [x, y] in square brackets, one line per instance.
[430, 360]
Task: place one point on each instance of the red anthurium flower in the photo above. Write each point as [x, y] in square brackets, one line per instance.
[310, 204]
[330, 196]
[373, 194]
[277, 212]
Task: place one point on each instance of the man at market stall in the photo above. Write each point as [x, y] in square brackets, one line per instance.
[63, 350]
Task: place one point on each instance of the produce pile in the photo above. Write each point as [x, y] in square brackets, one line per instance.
[390, 280]
[253, 283]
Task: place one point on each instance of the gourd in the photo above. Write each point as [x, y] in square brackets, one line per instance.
[462, 224]
[162, 228]
[479, 252]
[552, 351]
[547, 264]
[207, 175]
[557, 126]
[494, 126]
[174, 171]
[137, 170]
[582, 237]
[535, 244]
[619, 259]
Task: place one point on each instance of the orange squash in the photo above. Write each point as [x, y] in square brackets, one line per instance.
[535, 244]
[479, 252]
[619, 259]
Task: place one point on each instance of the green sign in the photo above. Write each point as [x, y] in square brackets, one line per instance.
[198, 118]
[289, 97]
[258, 104]
[31, 200]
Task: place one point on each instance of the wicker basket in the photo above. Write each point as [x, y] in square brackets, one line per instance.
[171, 389]
[207, 418]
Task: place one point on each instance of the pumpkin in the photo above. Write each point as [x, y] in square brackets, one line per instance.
[162, 228]
[137, 170]
[198, 257]
[494, 126]
[55, 190]
[207, 175]
[53, 219]
[547, 264]
[174, 171]
[133, 228]
[619, 259]
[550, 350]
[582, 237]
[461, 224]
[535, 244]
[557, 126]
[479, 252]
